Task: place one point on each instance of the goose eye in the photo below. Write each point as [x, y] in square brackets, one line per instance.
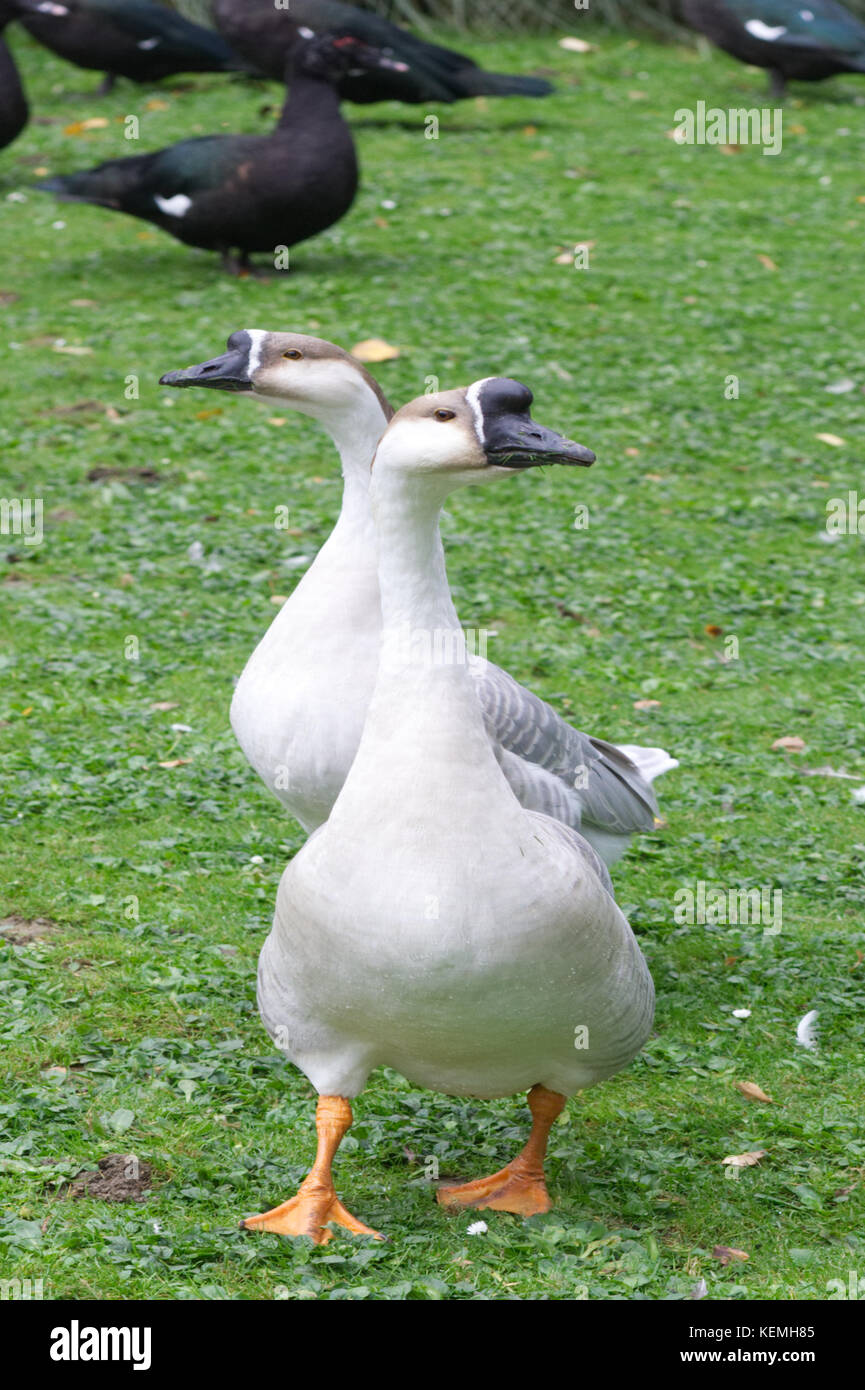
[444, 414]
[293, 353]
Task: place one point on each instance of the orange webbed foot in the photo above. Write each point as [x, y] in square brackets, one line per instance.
[307, 1214]
[512, 1189]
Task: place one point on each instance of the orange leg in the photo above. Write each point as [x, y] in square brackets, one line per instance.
[316, 1201]
[520, 1187]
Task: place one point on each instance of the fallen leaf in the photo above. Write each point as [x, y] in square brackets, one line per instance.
[834, 439]
[530, 130]
[726, 1253]
[712, 630]
[791, 743]
[154, 104]
[767, 262]
[566, 258]
[737, 149]
[163, 705]
[207, 414]
[751, 1091]
[277, 419]
[79, 127]
[632, 453]
[176, 762]
[72, 351]
[574, 45]
[374, 350]
[279, 599]
[745, 1160]
[646, 704]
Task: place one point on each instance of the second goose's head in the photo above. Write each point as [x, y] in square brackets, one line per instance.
[484, 431]
[307, 374]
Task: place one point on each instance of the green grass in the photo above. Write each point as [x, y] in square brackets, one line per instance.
[705, 513]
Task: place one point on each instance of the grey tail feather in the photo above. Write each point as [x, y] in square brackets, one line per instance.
[474, 82]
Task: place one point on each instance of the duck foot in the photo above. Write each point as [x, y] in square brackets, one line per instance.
[242, 267]
[307, 1214]
[316, 1202]
[520, 1187]
[513, 1189]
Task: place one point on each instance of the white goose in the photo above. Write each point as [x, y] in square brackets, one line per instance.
[300, 704]
[433, 924]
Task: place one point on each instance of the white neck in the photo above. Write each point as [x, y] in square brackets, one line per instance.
[355, 429]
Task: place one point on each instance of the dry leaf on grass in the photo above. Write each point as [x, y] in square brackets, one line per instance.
[374, 350]
[726, 1253]
[79, 127]
[767, 262]
[646, 704]
[176, 762]
[751, 1091]
[745, 1160]
[574, 45]
[834, 439]
[163, 705]
[791, 743]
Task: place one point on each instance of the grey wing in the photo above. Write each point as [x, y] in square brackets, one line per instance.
[555, 768]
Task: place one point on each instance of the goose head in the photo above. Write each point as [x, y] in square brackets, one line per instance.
[307, 374]
[471, 435]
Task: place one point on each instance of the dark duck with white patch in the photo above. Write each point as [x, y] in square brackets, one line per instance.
[803, 41]
[127, 38]
[247, 192]
[265, 34]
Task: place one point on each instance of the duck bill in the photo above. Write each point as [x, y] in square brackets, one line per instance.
[230, 372]
[521, 443]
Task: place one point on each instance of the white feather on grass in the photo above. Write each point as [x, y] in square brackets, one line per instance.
[805, 1029]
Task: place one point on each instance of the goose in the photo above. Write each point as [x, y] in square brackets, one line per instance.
[806, 40]
[127, 38]
[264, 33]
[300, 704]
[247, 192]
[433, 924]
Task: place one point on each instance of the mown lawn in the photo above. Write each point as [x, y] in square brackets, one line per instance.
[131, 1025]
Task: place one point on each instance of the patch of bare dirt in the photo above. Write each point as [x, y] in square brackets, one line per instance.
[22, 932]
[118, 1178]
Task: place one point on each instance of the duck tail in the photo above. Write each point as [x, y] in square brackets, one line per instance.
[651, 762]
[474, 82]
[105, 185]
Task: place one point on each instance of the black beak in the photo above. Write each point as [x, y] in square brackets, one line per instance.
[230, 372]
[517, 441]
